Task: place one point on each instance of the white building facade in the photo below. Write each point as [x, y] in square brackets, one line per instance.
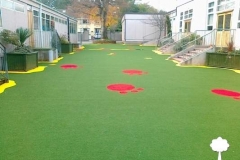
[138, 28]
[39, 18]
[205, 16]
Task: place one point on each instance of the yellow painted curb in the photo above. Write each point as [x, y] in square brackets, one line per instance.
[38, 69]
[54, 61]
[111, 54]
[160, 53]
[7, 85]
[148, 58]
[99, 49]
[120, 49]
[72, 53]
[177, 64]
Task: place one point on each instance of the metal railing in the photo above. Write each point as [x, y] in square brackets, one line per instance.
[3, 65]
[209, 39]
[152, 36]
[178, 38]
[55, 41]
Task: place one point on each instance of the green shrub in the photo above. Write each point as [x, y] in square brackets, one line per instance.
[63, 39]
[104, 41]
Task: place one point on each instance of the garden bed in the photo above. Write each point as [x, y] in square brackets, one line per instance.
[223, 60]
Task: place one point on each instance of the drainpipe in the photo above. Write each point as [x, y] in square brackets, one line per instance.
[68, 27]
[41, 32]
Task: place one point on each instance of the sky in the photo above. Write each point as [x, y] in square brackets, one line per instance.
[166, 5]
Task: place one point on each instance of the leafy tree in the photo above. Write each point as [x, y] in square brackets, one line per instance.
[169, 26]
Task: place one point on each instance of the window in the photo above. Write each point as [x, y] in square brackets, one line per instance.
[188, 14]
[238, 25]
[56, 19]
[210, 19]
[48, 24]
[44, 22]
[225, 5]
[180, 25]
[36, 20]
[210, 28]
[7, 4]
[181, 16]
[85, 21]
[210, 4]
[210, 10]
[210, 16]
[19, 7]
[0, 18]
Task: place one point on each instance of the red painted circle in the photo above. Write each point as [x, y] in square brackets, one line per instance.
[134, 72]
[123, 88]
[69, 66]
[120, 87]
[228, 93]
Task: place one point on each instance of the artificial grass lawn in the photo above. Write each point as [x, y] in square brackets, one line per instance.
[68, 114]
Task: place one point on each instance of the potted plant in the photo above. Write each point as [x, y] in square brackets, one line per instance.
[66, 46]
[21, 58]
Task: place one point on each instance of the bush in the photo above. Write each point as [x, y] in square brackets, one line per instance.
[63, 39]
[104, 41]
[182, 44]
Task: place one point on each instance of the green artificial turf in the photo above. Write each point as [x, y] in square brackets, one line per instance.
[68, 114]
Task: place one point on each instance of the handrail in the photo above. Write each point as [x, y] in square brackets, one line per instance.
[195, 40]
[56, 42]
[151, 34]
[177, 40]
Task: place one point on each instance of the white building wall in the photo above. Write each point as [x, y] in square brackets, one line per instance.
[199, 20]
[138, 28]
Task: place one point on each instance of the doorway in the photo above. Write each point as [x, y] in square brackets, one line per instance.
[223, 29]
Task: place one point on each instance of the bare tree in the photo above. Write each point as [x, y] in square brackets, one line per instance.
[159, 21]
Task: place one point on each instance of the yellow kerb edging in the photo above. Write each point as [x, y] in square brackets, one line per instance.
[159, 52]
[54, 61]
[72, 53]
[119, 49]
[38, 69]
[177, 64]
[99, 49]
[7, 85]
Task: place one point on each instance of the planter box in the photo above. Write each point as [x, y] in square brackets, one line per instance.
[76, 45]
[66, 48]
[46, 54]
[223, 60]
[21, 61]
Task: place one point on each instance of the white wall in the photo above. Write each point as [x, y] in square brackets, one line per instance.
[136, 27]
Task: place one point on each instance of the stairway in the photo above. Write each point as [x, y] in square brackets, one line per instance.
[167, 49]
[195, 55]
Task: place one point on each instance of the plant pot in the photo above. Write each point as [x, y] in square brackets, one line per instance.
[66, 48]
[22, 61]
[223, 60]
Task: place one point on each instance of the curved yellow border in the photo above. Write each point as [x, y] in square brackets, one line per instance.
[177, 64]
[7, 85]
[99, 49]
[160, 53]
[38, 69]
[54, 61]
[119, 49]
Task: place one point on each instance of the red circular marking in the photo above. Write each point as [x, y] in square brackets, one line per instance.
[69, 66]
[121, 87]
[134, 72]
[227, 93]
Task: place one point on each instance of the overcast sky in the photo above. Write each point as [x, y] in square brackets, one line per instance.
[166, 5]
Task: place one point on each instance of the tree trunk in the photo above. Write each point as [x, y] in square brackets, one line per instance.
[103, 12]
